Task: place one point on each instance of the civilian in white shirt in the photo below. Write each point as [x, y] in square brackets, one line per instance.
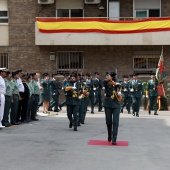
[2, 94]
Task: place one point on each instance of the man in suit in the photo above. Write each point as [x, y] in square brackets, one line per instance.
[136, 90]
[97, 91]
[55, 93]
[126, 94]
[152, 93]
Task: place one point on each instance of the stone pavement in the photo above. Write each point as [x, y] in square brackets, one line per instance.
[49, 144]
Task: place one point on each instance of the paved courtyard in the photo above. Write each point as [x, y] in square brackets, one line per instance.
[49, 144]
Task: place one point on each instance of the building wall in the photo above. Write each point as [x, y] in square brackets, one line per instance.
[25, 55]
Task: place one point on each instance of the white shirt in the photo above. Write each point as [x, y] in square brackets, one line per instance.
[20, 85]
[2, 86]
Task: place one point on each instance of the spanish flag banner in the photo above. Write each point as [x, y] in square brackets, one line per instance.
[70, 25]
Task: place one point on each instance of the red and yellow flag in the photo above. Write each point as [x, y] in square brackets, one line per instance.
[61, 25]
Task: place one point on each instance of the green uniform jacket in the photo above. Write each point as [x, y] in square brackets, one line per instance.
[108, 101]
[9, 87]
[151, 87]
[125, 89]
[137, 88]
[46, 87]
[70, 100]
[54, 87]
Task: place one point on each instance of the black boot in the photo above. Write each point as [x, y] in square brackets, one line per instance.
[109, 130]
[114, 140]
[121, 110]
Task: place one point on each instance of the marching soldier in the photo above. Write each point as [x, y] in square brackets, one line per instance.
[152, 93]
[9, 90]
[55, 93]
[126, 94]
[72, 90]
[85, 101]
[65, 81]
[136, 90]
[89, 83]
[97, 90]
[112, 105]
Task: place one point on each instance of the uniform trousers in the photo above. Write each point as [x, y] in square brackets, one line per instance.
[72, 114]
[14, 108]
[84, 108]
[112, 119]
[136, 104]
[153, 103]
[54, 102]
[35, 100]
[7, 108]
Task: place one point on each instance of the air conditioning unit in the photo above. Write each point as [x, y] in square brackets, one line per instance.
[45, 1]
[92, 1]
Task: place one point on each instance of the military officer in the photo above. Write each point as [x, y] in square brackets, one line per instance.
[97, 91]
[55, 93]
[65, 81]
[35, 96]
[9, 90]
[89, 82]
[2, 94]
[126, 94]
[112, 105]
[15, 99]
[136, 90]
[152, 93]
[72, 90]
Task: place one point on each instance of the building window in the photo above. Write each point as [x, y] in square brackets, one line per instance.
[3, 16]
[145, 64]
[76, 13]
[70, 60]
[4, 60]
[145, 8]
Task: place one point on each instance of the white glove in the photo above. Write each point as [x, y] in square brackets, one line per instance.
[80, 97]
[74, 88]
[103, 88]
[147, 96]
[118, 83]
[132, 90]
[119, 93]
[143, 96]
[94, 88]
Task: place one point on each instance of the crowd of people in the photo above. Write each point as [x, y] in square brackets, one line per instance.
[23, 94]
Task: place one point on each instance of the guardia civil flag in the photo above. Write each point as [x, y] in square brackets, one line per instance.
[161, 70]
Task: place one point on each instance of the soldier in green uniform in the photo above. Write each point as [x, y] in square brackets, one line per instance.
[35, 96]
[85, 100]
[9, 90]
[112, 105]
[97, 90]
[65, 81]
[72, 100]
[126, 94]
[15, 99]
[152, 93]
[89, 82]
[136, 90]
[55, 93]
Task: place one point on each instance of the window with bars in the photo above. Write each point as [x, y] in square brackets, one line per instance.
[4, 60]
[69, 60]
[145, 64]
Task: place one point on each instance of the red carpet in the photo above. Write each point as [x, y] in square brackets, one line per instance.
[106, 143]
